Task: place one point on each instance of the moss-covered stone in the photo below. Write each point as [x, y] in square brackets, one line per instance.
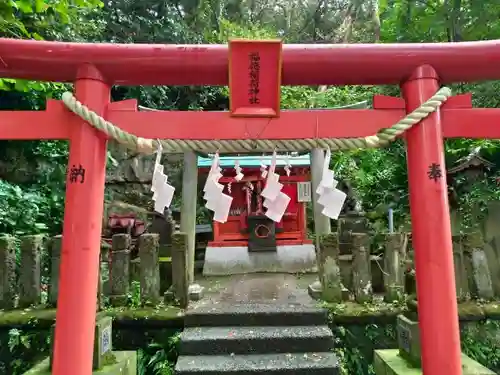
[125, 363]
[389, 362]
[41, 318]
[7, 271]
[355, 313]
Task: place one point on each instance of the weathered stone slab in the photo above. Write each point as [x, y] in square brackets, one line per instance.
[462, 285]
[125, 364]
[394, 268]
[180, 275]
[7, 272]
[329, 270]
[29, 273]
[408, 335]
[389, 362]
[150, 269]
[478, 264]
[103, 343]
[361, 268]
[55, 247]
[120, 270]
[493, 256]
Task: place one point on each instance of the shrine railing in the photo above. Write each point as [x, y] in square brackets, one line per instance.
[129, 275]
[362, 275]
[136, 275]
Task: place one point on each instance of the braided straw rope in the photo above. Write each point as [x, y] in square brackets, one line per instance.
[148, 146]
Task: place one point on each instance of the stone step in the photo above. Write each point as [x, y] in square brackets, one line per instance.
[275, 364]
[254, 314]
[255, 340]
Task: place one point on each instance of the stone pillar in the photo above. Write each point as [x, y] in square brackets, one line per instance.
[462, 286]
[7, 272]
[180, 278]
[492, 256]
[329, 269]
[188, 208]
[480, 271]
[394, 266]
[29, 273]
[150, 268]
[361, 267]
[55, 260]
[119, 270]
[322, 224]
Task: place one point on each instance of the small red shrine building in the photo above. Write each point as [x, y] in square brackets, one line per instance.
[248, 234]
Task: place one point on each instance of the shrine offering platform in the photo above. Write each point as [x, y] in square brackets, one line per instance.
[238, 260]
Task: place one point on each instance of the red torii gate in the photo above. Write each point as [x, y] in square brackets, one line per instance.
[418, 68]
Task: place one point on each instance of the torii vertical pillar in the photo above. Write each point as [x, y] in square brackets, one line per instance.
[431, 230]
[81, 243]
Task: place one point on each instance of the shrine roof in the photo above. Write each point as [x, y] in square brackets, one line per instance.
[254, 161]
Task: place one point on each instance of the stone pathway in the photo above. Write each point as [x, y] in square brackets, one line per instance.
[253, 324]
[256, 288]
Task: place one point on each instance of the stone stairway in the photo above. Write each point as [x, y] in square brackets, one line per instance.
[255, 338]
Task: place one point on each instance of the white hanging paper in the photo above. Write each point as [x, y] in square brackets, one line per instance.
[263, 170]
[273, 187]
[223, 205]
[333, 210]
[288, 166]
[164, 199]
[212, 189]
[277, 208]
[274, 158]
[335, 201]
[159, 180]
[327, 182]
[158, 171]
[331, 198]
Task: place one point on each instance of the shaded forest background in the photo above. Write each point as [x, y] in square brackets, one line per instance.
[32, 174]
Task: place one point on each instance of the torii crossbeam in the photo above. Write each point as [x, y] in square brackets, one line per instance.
[418, 68]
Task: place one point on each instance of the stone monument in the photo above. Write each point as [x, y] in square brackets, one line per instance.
[406, 359]
[106, 361]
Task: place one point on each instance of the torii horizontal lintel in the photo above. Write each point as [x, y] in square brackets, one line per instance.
[459, 121]
[52, 123]
[315, 64]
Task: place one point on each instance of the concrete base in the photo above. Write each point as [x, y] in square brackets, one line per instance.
[235, 260]
[126, 364]
[389, 362]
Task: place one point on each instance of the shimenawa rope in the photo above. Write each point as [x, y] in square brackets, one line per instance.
[148, 146]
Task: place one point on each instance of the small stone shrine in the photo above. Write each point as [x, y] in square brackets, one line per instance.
[106, 361]
[406, 359]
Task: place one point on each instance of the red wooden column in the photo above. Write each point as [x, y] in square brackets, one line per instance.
[437, 304]
[76, 307]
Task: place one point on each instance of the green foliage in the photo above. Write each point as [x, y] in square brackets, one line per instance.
[20, 349]
[157, 359]
[355, 344]
[481, 342]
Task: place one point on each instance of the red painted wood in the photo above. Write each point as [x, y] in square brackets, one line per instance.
[255, 78]
[430, 217]
[81, 241]
[294, 220]
[329, 64]
[53, 124]
[457, 122]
